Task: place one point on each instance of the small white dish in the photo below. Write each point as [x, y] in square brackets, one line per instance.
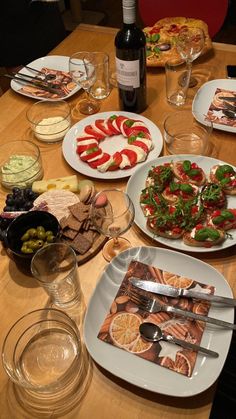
[136, 370]
[203, 99]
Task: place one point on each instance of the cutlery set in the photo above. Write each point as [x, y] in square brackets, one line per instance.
[152, 332]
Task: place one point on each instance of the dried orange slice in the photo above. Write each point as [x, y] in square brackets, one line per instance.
[140, 346]
[177, 280]
[182, 364]
[201, 308]
[124, 329]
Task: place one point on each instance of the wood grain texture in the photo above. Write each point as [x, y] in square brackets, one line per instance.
[107, 396]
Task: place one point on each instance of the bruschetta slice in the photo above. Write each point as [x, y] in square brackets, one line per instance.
[204, 236]
[224, 219]
[187, 171]
[160, 176]
[224, 175]
[179, 190]
[212, 197]
[174, 232]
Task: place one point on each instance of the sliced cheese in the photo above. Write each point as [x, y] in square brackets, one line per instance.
[69, 183]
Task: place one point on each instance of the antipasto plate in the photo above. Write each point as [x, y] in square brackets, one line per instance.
[51, 62]
[137, 184]
[111, 145]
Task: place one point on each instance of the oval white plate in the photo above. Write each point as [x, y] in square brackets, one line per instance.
[137, 182]
[136, 370]
[109, 145]
[204, 96]
[56, 62]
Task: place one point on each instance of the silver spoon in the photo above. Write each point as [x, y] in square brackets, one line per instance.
[229, 113]
[153, 333]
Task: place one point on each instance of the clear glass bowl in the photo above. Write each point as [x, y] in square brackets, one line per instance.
[49, 120]
[20, 164]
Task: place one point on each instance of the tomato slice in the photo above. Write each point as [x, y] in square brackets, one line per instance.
[87, 155]
[132, 156]
[137, 133]
[119, 120]
[90, 130]
[100, 124]
[111, 126]
[117, 159]
[81, 148]
[94, 164]
[140, 144]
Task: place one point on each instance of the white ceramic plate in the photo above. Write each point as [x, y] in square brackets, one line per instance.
[141, 372]
[56, 62]
[204, 96]
[137, 182]
[109, 145]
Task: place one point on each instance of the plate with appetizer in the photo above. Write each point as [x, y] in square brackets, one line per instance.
[111, 145]
[186, 202]
[216, 99]
[53, 68]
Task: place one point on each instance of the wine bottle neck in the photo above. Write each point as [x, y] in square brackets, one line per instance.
[128, 12]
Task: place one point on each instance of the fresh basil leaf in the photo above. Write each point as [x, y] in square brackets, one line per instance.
[193, 172]
[227, 215]
[222, 170]
[184, 187]
[186, 166]
[155, 37]
[129, 123]
[218, 220]
[174, 186]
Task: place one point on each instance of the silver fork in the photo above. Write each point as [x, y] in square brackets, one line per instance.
[153, 306]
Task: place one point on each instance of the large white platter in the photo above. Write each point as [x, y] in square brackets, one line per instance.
[55, 62]
[203, 99]
[136, 370]
[137, 182]
[109, 145]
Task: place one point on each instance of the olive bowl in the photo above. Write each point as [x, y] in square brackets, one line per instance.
[19, 226]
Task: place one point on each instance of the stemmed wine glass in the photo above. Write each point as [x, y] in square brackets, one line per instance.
[190, 44]
[112, 214]
[82, 67]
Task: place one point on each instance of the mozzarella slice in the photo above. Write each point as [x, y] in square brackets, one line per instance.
[103, 167]
[141, 155]
[124, 162]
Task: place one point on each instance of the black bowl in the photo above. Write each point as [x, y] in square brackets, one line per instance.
[21, 224]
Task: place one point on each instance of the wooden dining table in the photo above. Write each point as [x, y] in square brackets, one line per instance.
[108, 396]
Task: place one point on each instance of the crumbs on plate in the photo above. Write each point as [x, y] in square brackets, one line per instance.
[215, 111]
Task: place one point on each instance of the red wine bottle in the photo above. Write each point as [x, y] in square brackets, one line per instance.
[131, 62]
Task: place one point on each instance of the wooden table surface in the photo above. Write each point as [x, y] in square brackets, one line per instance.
[107, 396]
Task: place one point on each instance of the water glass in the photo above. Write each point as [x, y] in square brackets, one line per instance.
[101, 87]
[55, 268]
[177, 81]
[187, 134]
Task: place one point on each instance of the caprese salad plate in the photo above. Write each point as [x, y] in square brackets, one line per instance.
[111, 145]
[137, 186]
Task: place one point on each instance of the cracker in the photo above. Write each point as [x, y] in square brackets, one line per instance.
[79, 211]
[69, 233]
[74, 223]
[80, 244]
[88, 235]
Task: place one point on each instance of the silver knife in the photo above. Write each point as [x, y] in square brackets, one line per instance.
[230, 98]
[34, 83]
[179, 292]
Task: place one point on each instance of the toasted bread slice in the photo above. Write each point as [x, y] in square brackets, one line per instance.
[229, 189]
[185, 177]
[191, 241]
[168, 234]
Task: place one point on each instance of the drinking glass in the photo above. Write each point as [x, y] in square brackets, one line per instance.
[190, 44]
[112, 213]
[83, 70]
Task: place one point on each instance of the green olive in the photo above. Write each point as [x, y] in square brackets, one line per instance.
[26, 250]
[40, 229]
[50, 238]
[25, 237]
[32, 232]
[39, 243]
[48, 233]
[41, 235]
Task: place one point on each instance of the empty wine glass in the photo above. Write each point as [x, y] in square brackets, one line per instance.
[112, 214]
[82, 67]
[190, 44]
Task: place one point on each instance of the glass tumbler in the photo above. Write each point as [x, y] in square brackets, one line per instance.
[55, 268]
[42, 354]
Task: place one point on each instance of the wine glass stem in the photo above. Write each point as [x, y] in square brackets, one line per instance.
[189, 68]
[115, 242]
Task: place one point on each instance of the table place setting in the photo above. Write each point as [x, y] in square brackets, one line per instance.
[100, 212]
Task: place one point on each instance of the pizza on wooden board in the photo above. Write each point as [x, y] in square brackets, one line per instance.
[161, 39]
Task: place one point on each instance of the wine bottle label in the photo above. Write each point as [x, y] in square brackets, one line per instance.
[128, 75]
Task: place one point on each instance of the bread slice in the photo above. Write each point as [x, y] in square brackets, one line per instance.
[229, 190]
[178, 172]
[190, 241]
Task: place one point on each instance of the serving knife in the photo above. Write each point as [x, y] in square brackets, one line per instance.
[38, 84]
[230, 98]
[174, 292]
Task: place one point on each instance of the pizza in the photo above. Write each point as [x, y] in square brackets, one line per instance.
[161, 39]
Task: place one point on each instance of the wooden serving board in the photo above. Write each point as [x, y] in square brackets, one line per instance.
[96, 247]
